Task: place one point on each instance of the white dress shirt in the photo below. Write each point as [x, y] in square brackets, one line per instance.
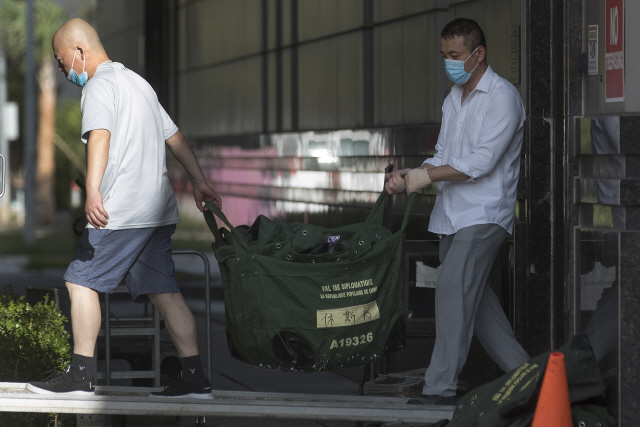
[481, 138]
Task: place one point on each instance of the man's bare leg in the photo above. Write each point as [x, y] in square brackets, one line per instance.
[79, 378]
[85, 318]
[182, 328]
[179, 321]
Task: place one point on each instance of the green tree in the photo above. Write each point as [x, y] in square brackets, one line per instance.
[48, 17]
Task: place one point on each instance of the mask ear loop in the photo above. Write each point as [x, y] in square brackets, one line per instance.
[474, 68]
[74, 60]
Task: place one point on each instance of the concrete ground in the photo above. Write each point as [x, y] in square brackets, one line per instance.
[227, 372]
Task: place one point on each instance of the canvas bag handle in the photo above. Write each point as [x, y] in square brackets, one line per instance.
[241, 247]
[375, 217]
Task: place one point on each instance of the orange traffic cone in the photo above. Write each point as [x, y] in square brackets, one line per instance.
[554, 407]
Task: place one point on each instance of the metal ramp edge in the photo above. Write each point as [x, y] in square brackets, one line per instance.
[14, 397]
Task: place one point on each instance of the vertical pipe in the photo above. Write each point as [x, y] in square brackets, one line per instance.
[367, 66]
[278, 65]
[107, 337]
[294, 65]
[265, 67]
[29, 130]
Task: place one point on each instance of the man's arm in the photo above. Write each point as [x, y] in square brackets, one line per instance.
[416, 179]
[97, 158]
[202, 192]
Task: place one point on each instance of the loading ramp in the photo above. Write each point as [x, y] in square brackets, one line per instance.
[14, 397]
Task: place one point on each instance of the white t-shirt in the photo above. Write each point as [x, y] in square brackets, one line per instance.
[135, 188]
[481, 138]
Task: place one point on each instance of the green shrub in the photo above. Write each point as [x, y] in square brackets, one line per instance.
[32, 341]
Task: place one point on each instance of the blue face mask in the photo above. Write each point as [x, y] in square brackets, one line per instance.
[455, 69]
[73, 77]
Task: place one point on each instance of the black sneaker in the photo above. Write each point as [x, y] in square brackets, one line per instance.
[68, 382]
[183, 388]
[434, 399]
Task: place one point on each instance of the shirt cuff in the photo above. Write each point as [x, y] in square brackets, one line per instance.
[432, 161]
[463, 167]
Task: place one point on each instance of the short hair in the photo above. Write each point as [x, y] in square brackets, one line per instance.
[468, 29]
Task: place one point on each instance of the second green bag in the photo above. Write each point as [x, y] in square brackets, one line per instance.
[308, 298]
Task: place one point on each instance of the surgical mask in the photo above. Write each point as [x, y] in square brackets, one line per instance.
[455, 69]
[73, 77]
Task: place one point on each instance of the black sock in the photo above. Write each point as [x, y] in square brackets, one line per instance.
[82, 365]
[192, 369]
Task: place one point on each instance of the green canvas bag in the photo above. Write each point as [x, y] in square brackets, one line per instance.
[308, 298]
[510, 401]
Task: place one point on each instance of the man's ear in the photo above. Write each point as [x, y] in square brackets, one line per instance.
[81, 50]
[482, 52]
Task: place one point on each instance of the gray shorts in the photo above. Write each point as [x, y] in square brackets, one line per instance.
[142, 256]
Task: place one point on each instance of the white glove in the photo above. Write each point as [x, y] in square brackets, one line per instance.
[416, 179]
[395, 182]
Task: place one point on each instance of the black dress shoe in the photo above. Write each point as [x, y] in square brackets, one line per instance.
[433, 399]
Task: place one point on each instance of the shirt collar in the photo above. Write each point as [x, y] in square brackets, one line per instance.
[485, 82]
[103, 64]
[484, 85]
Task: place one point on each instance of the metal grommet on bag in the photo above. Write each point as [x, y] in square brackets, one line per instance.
[361, 242]
[278, 245]
[355, 251]
[581, 424]
[378, 236]
[313, 261]
[338, 259]
[305, 232]
[288, 257]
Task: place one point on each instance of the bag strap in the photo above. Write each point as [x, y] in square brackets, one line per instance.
[239, 244]
[376, 214]
[407, 211]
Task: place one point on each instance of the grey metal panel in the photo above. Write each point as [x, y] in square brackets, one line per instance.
[386, 10]
[215, 31]
[221, 100]
[408, 72]
[388, 65]
[420, 100]
[330, 83]
[115, 16]
[320, 18]
[120, 25]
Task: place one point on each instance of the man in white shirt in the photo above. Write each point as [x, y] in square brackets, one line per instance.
[476, 165]
[131, 209]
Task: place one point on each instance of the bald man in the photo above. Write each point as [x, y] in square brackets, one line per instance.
[130, 208]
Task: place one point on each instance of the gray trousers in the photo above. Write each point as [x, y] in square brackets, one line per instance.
[465, 304]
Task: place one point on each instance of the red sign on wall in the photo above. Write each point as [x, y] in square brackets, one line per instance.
[614, 51]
